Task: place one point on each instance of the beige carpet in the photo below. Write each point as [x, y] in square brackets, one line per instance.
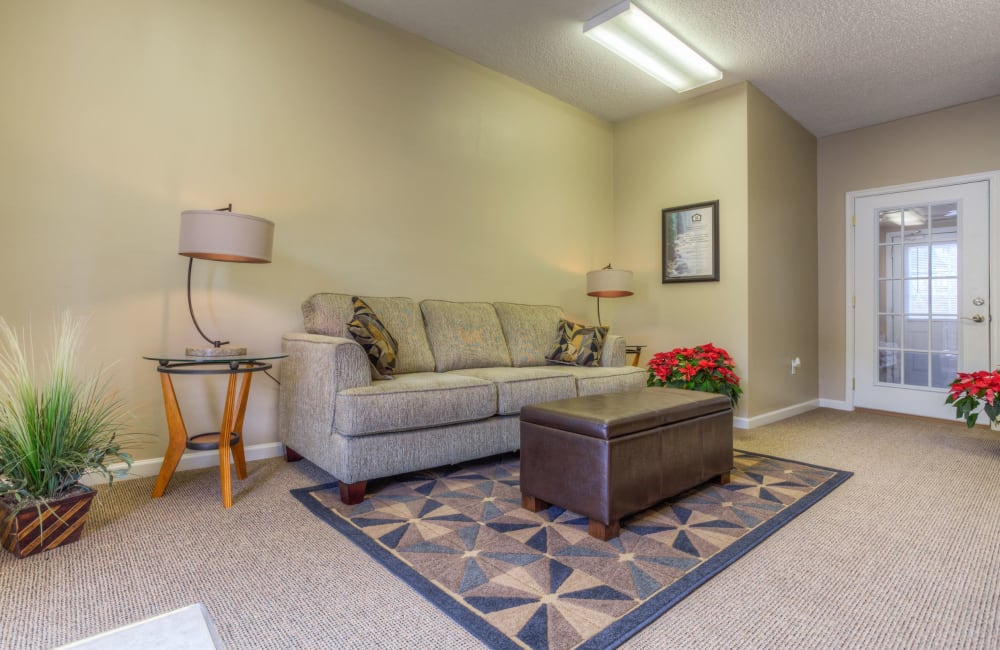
[906, 554]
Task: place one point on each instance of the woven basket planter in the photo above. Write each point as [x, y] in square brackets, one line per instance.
[58, 521]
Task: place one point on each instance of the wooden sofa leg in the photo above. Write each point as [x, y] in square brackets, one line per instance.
[291, 455]
[352, 493]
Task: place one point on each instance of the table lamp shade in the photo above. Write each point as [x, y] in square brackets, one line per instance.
[225, 236]
[609, 283]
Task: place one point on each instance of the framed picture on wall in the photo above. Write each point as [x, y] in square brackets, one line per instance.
[691, 243]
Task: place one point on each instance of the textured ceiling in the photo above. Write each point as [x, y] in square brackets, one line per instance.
[833, 66]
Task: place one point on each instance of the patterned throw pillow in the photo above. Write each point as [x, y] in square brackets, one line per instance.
[378, 343]
[578, 345]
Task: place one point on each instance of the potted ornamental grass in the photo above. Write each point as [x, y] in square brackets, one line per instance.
[972, 393]
[704, 367]
[57, 424]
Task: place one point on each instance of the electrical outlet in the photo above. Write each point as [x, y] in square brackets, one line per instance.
[796, 363]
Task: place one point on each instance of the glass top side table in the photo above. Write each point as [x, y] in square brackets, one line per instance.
[169, 364]
[636, 350]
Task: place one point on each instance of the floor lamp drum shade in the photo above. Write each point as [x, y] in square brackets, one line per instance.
[609, 283]
[222, 236]
[225, 236]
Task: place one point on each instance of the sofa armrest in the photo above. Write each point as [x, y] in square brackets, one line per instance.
[316, 369]
[613, 352]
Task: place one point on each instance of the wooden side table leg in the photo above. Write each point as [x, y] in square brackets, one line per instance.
[239, 458]
[178, 436]
[225, 471]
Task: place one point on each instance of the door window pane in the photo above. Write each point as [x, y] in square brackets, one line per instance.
[889, 225]
[890, 297]
[890, 261]
[890, 368]
[944, 259]
[915, 370]
[916, 332]
[944, 219]
[944, 297]
[917, 296]
[944, 335]
[890, 331]
[944, 367]
[917, 261]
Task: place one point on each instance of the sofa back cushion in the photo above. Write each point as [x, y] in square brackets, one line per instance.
[530, 330]
[464, 335]
[329, 313]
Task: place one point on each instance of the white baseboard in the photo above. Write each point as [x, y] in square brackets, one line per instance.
[775, 416]
[840, 405]
[190, 460]
[203, 459]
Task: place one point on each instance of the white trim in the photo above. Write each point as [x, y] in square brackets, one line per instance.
[840, 405]
[993, 179]
[849, 200]
[775, 416]
[190, 460]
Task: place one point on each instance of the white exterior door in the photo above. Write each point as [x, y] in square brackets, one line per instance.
[921, 295]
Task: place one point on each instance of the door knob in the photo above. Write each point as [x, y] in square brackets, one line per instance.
[978, 318]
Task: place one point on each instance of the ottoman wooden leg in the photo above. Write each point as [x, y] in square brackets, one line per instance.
[603, 531]
[724, 478]
[533, 504]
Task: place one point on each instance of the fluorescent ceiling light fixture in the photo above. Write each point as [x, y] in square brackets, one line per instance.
[631, 34]
[904, 217]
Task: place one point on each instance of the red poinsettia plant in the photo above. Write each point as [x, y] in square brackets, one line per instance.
[974, 390]
[703, 367]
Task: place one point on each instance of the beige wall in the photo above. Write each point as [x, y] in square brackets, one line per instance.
[782, 245]
[389, 166]
[737, 146]
[951, 142]
[690, 152]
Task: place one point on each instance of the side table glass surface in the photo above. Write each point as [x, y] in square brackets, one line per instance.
[178, 357]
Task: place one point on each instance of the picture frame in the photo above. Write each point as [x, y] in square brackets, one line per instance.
[691, 243]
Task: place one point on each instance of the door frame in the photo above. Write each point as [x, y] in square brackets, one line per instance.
[993, 180]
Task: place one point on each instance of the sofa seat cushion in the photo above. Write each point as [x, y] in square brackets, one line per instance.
[329, 314]
[413, 401]
[464, 335]
[517, 387]
[602, 379]
[530, 331]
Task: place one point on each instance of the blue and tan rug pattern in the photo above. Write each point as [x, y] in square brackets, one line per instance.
[518, 579]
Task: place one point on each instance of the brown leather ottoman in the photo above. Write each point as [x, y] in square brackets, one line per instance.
[608, 456]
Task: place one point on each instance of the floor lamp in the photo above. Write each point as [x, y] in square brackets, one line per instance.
[222, 236]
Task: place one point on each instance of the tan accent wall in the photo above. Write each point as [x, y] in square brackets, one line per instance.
[951, 142]
[390, 167]
[782, 264]
[686, 153]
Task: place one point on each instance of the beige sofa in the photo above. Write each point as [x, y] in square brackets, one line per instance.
[464, 370]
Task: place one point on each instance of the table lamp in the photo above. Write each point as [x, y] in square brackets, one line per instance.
[223, 236]
[608, 283]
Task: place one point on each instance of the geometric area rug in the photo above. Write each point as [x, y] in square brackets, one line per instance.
[518, 579]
